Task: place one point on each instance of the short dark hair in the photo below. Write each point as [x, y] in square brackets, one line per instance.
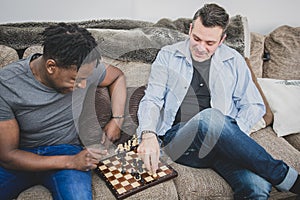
[212, 15]
[69, 44]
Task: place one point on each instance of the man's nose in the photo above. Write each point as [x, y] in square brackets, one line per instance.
[200, 47]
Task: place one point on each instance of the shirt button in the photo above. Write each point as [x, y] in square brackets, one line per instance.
[201, 84]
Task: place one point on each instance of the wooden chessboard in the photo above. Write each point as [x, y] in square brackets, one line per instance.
[126, 175]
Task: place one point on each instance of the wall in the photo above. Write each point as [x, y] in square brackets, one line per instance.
[263, 16]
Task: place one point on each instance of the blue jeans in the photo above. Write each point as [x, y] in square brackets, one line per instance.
[63, 184]
[213, 140]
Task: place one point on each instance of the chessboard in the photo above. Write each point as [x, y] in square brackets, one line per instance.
[125, 173]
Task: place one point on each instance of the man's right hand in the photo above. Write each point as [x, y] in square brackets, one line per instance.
[88, 159]
[149, 151]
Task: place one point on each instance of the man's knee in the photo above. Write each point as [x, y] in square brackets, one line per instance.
[211, 119]
[210, 129]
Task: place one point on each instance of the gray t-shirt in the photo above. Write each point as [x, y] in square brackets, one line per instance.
[197, 97]
[45, 117]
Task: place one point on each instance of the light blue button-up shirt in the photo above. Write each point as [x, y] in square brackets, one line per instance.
[231, 88]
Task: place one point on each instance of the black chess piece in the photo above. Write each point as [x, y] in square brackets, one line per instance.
[142, 181]
[132, 172]
[137, 176]
[123, 171]
[134, 163]
[118, 153]
[140, 166]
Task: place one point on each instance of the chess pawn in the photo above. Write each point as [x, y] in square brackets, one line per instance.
[129, 145]
[134, 141]
[125, 147]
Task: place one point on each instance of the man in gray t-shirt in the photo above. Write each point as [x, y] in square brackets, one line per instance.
[41, 99]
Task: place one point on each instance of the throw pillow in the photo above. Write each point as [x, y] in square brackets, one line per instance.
[7, 55]
[283, 97]
[256, 53]
[268, 117]
[32, 49]
[134, 102]
[283, 45]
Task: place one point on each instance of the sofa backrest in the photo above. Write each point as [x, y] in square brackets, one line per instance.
[283, 46]
[276, 55]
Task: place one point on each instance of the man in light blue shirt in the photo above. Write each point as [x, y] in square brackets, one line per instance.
[202, 102]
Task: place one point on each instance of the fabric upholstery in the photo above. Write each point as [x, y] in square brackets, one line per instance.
[283, 97]
[32, 49]
[7, 55]
[256, 53]
[268, 117]
[283, 44]
[131, 41]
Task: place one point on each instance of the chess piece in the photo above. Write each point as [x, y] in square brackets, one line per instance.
[123, 171]
[134, 163]
[119, 148]
[137, 176]
[140, 166]
[129, 145]
[134, 141]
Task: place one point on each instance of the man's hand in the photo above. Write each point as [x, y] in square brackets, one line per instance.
[87, 159]
[111, 132]
[149, 151]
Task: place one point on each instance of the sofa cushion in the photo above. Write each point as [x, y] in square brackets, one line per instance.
[283, 44]
[134, 102]
[256, 53]
[32, 49]
[278, 147]
[7, 55]
[193, 183]
[283, 97]
[136, 72]
[141, 44]
[37, 192]
[268, 116]
[294, 140]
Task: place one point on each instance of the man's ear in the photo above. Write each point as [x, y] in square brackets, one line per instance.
[222, 39]
[51, 66]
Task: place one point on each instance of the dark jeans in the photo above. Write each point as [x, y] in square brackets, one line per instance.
[63, 184]
[213, 140]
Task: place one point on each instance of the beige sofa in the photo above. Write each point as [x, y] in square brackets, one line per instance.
[263, 51]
